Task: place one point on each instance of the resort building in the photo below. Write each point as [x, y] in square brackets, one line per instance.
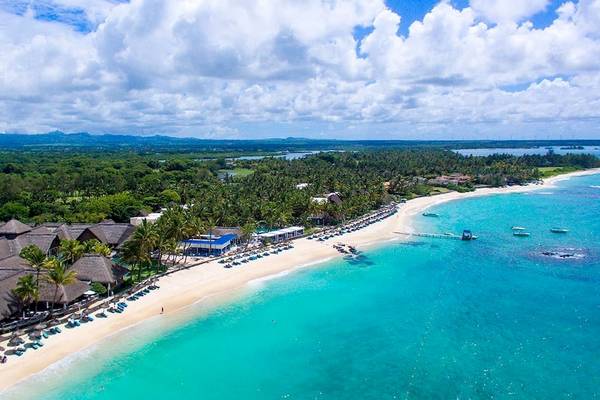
[13, 268]
[150, 218]
[452, 179]
[97, 268]
[324, 217]
[89, 268]
[333, 197]
[13, 228]
[209, 245]
[282, 235]
[15, 235]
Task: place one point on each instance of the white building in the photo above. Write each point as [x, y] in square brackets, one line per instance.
[150, 218]
[282, 235]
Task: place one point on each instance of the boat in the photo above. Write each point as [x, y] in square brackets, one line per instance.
[559, 230]
[521, 234]
[468, 235]
[518, 228]
[431, 215]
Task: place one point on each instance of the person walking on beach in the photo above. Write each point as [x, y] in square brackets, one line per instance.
[162, 310]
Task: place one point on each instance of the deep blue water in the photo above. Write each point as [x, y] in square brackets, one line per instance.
[427, 319]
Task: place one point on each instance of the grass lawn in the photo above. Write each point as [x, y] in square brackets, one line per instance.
[547, 172]
[439, 190]
[238, 171]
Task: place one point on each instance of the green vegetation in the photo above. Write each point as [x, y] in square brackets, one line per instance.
[98, 288]
[548, 172]
[240, 172]
[69, 186]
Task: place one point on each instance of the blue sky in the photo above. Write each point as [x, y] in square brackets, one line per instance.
[318, 68]
[410, 10]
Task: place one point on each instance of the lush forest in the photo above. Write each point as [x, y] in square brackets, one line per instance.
[90, 186]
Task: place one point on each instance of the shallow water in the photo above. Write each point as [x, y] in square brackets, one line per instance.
[428, 319]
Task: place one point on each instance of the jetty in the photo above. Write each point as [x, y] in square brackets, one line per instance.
[466, 236]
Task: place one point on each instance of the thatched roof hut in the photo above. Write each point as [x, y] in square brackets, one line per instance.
[14, 228]
[97, 268]
[115, 233]
[44, 241]
[11, 269]
[64, 293]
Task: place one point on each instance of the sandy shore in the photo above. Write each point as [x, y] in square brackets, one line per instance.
[211, 280]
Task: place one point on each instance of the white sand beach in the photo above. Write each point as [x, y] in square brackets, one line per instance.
[187, 287]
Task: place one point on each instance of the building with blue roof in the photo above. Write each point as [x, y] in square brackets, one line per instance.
[208, 245]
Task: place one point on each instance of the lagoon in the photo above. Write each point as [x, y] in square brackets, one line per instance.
[594, 150]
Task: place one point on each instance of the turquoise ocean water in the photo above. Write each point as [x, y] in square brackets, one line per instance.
[428, 319]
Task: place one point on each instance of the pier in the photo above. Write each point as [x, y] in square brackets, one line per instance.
[437, 235]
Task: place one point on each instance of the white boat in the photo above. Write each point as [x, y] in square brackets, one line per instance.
[518, 228]
[559, 230]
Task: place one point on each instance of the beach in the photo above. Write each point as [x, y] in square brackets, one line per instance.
[211, 280]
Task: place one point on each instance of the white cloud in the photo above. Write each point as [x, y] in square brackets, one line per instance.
[203, 67]
[499, 11]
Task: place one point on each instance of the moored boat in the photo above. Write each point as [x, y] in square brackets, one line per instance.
[431, 215]
[518, 228]
[521, 234]
[559, 230]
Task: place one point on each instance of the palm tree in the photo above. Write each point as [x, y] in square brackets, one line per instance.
[36, 258]
[247, 230]
[71, 250]
[284, 217]
[94, 246]
[58, 275]
[211, 224]
[138, 249]
[172, 224]
[27, 291]
[192, 227]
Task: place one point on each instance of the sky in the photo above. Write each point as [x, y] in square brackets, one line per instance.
[347, 69]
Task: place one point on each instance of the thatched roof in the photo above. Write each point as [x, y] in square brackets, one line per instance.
[9, 303]
[14, 227]
[115, 233]
[11, 269]
[14, 263]
[45, 241]
[226, 230]
[64, 294]
[6, 248]
[83, 232]
[97, 268]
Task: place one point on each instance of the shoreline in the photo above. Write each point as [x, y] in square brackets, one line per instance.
[212, 283]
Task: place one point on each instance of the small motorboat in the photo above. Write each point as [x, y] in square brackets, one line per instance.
[517, 228]
[434, 215]
[559, 230]
[521, 234]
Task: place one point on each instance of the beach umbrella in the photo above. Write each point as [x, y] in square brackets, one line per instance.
[35, 335]
[40, 327]
[15, 341]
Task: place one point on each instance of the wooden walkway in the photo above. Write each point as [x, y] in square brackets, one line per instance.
[432, 235]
